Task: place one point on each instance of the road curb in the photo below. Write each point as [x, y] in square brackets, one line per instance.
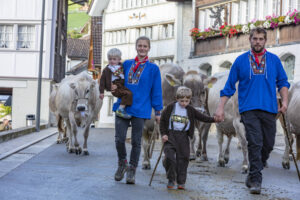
[9, 153]
[15, 133]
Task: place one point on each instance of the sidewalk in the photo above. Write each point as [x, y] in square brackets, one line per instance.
[15, 152]
[12, 146]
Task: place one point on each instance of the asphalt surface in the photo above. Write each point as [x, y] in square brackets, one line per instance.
[52, 173]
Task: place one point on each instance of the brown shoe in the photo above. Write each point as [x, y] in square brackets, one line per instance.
[181, 187]
[170, 185]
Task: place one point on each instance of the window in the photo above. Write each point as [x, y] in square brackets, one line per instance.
[114, 36]
[6, 36]
[276, 7]
[167, 31]
[244, 12]
[124, 4]
[235, 13]
[149, 32]
[289, 66]
[170, 30]
[123, 36]
[25, 37]
[142, 31]
[129, 3]
[294, 4]
[201, 20]
[266, 8]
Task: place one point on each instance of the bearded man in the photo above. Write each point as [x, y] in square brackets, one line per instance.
[259, 73]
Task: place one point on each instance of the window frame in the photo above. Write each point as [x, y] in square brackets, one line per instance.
[32, 42]
[5, 35]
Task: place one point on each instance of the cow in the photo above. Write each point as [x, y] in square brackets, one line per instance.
[76, 100]
[231, 126]
[292, 123]
[150, 134]
[62, 131]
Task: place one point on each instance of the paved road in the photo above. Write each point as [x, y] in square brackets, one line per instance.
[55, 174]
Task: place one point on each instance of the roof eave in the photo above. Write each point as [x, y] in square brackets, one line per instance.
[97, 7]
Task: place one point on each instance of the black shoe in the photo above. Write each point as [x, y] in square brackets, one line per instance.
[123, 166]
[171, 185]
[248, 182]
[130, 175]
[255, 188]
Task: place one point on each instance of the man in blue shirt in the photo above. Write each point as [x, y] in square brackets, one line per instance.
[259, 73]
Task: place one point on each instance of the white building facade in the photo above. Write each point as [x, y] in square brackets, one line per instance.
[20, 26]
[125, 20]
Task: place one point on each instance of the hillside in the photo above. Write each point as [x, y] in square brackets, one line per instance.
[76, 18]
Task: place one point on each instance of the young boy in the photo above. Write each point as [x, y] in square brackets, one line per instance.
[113, 74]
[176, 126]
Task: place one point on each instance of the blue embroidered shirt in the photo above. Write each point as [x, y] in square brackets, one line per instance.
[256, 88]
[145, 85]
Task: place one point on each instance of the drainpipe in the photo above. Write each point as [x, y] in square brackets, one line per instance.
[179, 33]
[38, 107]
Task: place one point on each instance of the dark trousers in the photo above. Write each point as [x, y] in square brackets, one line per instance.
[177, 152]
[260, 133]
[121, 126]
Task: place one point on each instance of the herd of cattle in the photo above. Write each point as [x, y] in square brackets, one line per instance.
[75, 102]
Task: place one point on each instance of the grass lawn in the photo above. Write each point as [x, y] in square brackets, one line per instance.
[73, 6]
[76, 20]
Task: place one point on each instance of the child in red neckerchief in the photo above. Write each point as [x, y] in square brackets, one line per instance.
[113, 74]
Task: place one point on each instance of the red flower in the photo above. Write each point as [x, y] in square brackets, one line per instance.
[194, 30]
[232, 32]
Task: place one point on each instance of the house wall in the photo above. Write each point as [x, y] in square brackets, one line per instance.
[19, 66]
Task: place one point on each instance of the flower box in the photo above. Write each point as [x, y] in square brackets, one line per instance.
[210, 45]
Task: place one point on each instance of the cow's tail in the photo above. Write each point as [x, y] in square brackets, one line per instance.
[52, 103]
[298, 146]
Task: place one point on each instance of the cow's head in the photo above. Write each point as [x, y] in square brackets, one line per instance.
[193, 81]
[82, 94]
[199, 84]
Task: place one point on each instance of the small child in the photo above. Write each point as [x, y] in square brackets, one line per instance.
[113, 74]
[176, 126]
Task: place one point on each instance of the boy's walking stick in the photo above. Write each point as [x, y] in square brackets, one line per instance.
[288, 138]
[162, 148]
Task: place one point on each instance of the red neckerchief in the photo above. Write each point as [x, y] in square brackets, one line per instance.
[258, 54]
[139, 62]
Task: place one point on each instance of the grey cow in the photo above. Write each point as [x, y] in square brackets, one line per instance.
[293, 125]
[76, 100]
[230, 127]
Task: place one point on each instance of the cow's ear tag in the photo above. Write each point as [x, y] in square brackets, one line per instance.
[172, 83]
[209, 85]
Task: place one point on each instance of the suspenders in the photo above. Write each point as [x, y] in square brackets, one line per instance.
[177, 118]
